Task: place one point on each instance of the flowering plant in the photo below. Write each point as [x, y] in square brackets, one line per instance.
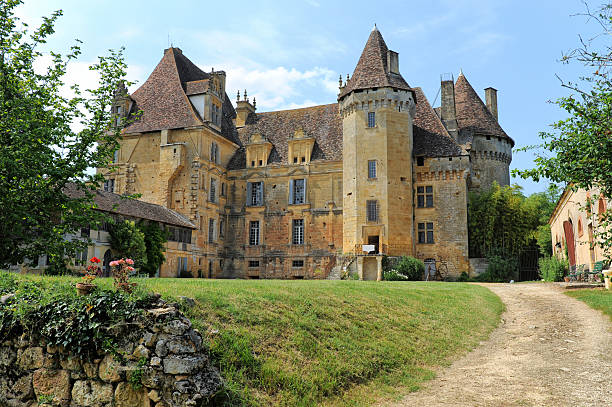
[121, 273]
[92, 271]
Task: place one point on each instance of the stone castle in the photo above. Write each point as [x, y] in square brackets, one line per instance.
[307, 193]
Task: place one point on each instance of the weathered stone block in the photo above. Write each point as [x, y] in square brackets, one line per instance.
[91, 393]
[127, 396]
[30, 358]
[183, 365]
[109, 369]
[55, 383]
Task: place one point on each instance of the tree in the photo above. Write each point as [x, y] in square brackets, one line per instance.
[154, 238]
[578, 150]
[129, 242]
[40, 152]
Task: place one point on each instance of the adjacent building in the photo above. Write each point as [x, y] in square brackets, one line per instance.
[308, 193]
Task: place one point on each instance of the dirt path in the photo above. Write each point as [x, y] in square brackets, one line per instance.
[550, 350]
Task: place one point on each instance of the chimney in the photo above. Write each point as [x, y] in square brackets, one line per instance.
[491, 98]
[448, 114]
[393, 62]
[243, 109]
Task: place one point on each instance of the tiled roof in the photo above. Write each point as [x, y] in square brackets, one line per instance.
[429, 134]
[371, 70]
[163, 98]
[472, 113]
[117, 204]
[321, 122]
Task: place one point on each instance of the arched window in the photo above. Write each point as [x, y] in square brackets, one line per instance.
[601, 208]
[580, 231]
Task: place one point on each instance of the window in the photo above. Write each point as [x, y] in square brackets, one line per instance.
[119, 114]
[420, 161]
[254, 233]
[425, 232]
[295, 160]
[255, 193]
[297, 263]
[214, 152]
[116, 156]
[182, 266]
[580, 228]
[109, 185]
[252, 163]
[211, 230]
[298, 231]
[253, 263]
[372, 169]
[181, 235]
[223, 192]
[212, 196]
[372, 211]
[221, 264]
[297, 191]
[371, 119]
[425, 197]
[221, 228]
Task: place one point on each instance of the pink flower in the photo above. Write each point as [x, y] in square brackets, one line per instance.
[129, 261]
[130, 268]
[121, 261]
[114, 263]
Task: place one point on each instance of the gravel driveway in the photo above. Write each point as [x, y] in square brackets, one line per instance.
[549, 350]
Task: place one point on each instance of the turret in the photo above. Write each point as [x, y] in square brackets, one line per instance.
[244, 109]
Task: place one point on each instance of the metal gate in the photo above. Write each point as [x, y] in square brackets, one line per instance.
[528, 263]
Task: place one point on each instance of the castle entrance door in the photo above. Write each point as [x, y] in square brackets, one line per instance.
[374, 240]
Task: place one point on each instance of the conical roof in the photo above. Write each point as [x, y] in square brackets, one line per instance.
[472, 113]
[372, 70]
[162, 99]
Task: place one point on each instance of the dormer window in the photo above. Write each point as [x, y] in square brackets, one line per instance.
[118, 117]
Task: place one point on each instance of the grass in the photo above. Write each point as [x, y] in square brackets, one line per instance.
[598, 298]
[334, 343]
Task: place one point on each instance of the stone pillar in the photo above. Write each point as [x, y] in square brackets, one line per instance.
[379, 265]
[360, 267]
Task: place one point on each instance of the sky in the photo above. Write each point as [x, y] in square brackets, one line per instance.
[289, 54]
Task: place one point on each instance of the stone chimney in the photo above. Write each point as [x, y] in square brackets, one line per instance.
[393, 62]
[491, 98]
[243, 109]
[448, 114]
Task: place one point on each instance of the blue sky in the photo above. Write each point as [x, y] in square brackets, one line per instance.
[289, 53]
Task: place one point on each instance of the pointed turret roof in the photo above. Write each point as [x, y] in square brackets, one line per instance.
[162, 98]
[472, 113]
[372, 70]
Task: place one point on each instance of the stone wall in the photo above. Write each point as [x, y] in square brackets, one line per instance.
[158, 361]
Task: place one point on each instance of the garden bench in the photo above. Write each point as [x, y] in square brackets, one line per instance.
[577, 273]
[597, 269]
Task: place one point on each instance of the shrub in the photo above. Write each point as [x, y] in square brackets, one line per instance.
[410, 267]
[393, 275]
[500, 270]
[552, 269]
[463, 277]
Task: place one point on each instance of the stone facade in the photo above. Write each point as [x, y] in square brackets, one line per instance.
[162, 349]
[298, 193]
[572, 227]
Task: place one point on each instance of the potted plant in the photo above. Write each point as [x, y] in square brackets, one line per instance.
[121, 273]
[93, 270]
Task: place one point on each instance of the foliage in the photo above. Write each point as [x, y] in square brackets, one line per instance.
[393, 275]
[552, 268]
[544, 239]
[502, 221]
[500, 269]
[51, 310]
[127, 241]
[463, 277]
[135, 376]
[41, 153]
[578, 149]
[410, 267]
[122, 269]
[277, 343]
[154, 238]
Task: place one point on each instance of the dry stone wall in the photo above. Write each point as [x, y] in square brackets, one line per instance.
[158, 361]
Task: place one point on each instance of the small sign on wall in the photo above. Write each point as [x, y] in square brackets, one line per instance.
[368, 248]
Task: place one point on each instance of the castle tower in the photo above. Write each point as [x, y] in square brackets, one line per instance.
[377, 109]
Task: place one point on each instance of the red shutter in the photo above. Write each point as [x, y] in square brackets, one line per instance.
[569, 239]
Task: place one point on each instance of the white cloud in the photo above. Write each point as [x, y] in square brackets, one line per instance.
[279, 88]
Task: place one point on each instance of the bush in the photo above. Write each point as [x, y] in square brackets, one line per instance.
[552, 269]
[410, 267]
[393, 275]
[500, 270]
[463, 277]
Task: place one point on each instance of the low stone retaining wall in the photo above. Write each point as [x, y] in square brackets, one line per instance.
[158, 361]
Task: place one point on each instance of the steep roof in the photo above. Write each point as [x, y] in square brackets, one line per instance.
[429, 134]
[163, 98]
[321, 122]
[117, 204]
[372, 70]
[472, 113]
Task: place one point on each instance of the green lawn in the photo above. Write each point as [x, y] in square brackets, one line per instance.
[349, 343]
[599, 298]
